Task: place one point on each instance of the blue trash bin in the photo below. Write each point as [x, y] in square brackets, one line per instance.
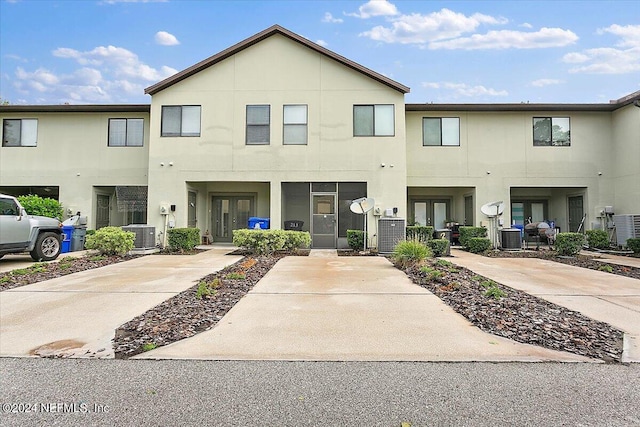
[67, 232]
[258, 223]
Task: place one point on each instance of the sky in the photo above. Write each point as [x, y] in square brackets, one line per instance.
[109, 51]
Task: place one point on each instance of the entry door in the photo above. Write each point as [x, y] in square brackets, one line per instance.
[576, 213]
[324, 222]
[102, 211]
[431, 212]
[230, 213]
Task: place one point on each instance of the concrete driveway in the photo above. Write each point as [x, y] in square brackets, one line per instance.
[76, 315]
[325, 307]
[602, 296]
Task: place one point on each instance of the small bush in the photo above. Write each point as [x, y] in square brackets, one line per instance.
[634, 245]
[268, 241]
[207, 289]
[495, 292]
[183, 239]
[478, 245]
[606, 268]
[569, 244]
[420, 233]
[111, 241]
[295, 240]
[467, 233]
[432, 273]
[36, 205]
[408, 253]
[355, 239]
[598, 239]
[439, 247]
[236, 276]
[148, 346]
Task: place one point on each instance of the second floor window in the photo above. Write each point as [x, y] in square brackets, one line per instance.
[126, 132]
[20, 132]
[258, 124]
[180, 120]
[373, 120]
[549, 131]
[295, 125]
[440, 131]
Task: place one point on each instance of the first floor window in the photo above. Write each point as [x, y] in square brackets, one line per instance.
[373, 120]
[441, 131]
[549, 131]
[20, 132]
[295, 125]
[181, 120]
[126, 132]
[258, 124]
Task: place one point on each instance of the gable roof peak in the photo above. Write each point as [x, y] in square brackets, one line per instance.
[257, 38]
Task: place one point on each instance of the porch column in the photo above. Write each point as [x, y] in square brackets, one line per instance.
[275, 205]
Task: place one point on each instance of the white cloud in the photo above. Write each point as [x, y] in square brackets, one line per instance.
[106, 75]
[330, 19]
[526, 25]
[322, 43]
[166, 39]
[545, 82]
[622, 59]
[375, 8]
[508, 39]
[421, 29]
[465, 90]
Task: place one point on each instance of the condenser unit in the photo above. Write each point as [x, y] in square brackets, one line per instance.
[390, 232]
[145, 235]
[627, 227]
[511, 239]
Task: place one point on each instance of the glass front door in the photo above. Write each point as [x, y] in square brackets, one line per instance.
[324, 223]
[431, 212]
[230, 213]
[102, 211]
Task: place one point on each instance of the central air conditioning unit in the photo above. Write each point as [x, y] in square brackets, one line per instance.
[390, 232]
[511, 239]
[627, 227]
[145, 235]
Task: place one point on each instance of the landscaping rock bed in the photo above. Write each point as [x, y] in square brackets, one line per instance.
[517, 315]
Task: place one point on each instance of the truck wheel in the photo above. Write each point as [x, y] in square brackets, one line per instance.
[47, 247]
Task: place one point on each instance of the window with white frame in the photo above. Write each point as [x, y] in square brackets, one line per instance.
[20, 132]
[551, 131]
[180, 120]
[258, 124]
[441, 131]
[126, 132]
[373, 120]
[295, 125]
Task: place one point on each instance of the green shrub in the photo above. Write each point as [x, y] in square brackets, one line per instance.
[295, 240]
[111, 241]
[148, 346]
[569, 244]
[355, 239]
[420, 233]
[207, 289]
[236, 276]
[36, 205]
[495, 292]
[467, 233]
[260, 241]
[634, 244]
[431, 273]
[183, 239]
[439, 247]
[408, 253]
[477, 245]
[606, 268]
[598, 239]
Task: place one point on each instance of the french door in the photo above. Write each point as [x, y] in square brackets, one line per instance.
[230, 213]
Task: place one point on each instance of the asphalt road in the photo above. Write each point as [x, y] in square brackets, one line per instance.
[84, 392]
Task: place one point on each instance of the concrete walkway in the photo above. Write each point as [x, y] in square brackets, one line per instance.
[325, 307]
[601, 296]
[76, 315]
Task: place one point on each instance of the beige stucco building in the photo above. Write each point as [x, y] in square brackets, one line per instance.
[278, 127]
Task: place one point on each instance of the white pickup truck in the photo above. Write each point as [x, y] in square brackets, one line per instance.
[20, 232]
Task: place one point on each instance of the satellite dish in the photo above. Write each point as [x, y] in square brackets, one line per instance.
[493, 209]
[362, 205]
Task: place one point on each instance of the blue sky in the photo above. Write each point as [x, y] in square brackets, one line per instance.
[108, 51]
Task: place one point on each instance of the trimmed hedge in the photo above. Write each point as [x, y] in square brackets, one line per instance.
[634, 245]
[268, 241]
[439, 247]
[420, 233]
[355, 239]
[467, 233]
[569, 243]
[477, 245]
[598, 239]
[183, 239]
[111, 241]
